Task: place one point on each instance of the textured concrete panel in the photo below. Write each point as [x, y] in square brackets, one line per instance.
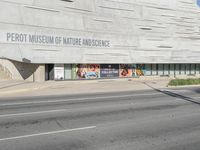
[139, 31]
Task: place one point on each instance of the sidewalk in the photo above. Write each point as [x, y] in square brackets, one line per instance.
[24, 88]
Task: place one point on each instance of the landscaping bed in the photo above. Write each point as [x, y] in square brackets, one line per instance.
[180, 82]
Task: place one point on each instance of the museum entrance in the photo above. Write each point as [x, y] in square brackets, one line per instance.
[49, 72]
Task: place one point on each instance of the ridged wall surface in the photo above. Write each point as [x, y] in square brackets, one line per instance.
[139, 31]
[4, 73]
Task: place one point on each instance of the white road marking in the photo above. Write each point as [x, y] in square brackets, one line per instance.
[76, 99]
[46, 133]
[32, 113]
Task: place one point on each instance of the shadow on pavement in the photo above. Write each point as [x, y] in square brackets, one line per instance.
[172, 94]
[196, 90]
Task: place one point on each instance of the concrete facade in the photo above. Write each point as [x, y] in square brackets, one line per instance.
[138, 31]
[38, 32]
[22, 71]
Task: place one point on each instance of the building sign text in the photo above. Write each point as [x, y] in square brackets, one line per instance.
[55, 40]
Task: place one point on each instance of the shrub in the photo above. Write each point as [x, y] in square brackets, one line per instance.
[179, 82]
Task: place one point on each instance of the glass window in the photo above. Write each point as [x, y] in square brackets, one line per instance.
[183, 69]
[171, 69]
[148, 70]
[197, 68]
[154, 69]
[160, 69]
[177, 69]
[188, 69]
[166, 69]
[68, 71]
[192, 68]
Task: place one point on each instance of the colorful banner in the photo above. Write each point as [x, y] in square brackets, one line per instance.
[109, 70]
[93, 71]
[139, 70]
[87, 71]
[125, 70]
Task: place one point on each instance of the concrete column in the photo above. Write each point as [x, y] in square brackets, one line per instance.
[39, 74]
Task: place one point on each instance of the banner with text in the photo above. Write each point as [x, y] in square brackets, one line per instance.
[109, 70]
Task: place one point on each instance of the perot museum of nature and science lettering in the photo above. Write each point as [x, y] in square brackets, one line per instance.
[90, 39]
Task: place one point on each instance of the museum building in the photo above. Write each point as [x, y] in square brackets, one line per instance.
[94, 39]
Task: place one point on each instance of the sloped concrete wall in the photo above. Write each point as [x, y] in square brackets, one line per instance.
[4, 73]
[14, 73]
[139, 31]
[23, 71]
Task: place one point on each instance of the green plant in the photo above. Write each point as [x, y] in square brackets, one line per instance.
[179, 82]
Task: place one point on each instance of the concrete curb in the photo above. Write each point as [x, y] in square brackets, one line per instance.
[183, 86]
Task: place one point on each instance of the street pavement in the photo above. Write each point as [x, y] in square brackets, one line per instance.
[25, 88]
[144, 119]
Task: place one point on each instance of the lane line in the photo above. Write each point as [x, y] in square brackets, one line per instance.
[47, 133]
[77, 99]
[83, 109]
[32, 113]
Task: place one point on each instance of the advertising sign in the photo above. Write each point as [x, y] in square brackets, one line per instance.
[109, 70]
[87, 71]
[139, 70]
[59, 72]
[125, 70]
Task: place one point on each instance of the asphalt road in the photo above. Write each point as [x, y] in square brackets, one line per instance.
[143, 120]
